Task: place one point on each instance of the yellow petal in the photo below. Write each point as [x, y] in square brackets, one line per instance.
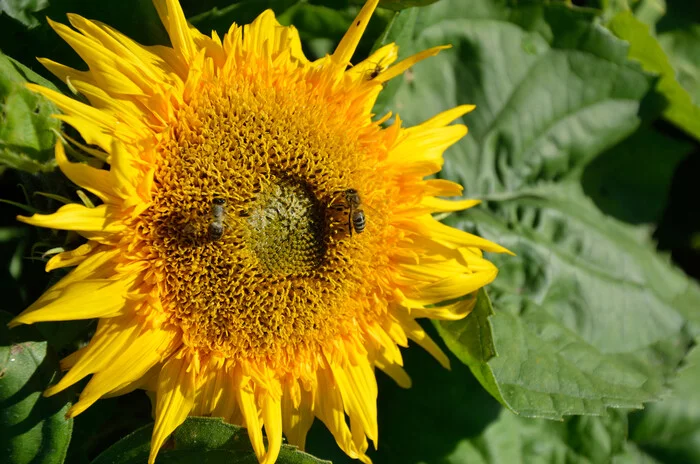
[416, 333]
[151, 347]
[78, 218]
[245, 395]
[442, 188]
[346, 48]
[451, 287]
[72, 257]
[94, 125]
[65, 73]
[329, 408]
[94, 180]
[449, 312]
[439, 205]
[408, 62]
[425, 147]
[108, 69]
[272, 418]
[358, 388]
[224, 403]
[123, 173]
[173, 19]
[396, 372]
[85, 299]
[176, 390]
[110, 340]
[451, 237]
[444, 118]
[297, 414]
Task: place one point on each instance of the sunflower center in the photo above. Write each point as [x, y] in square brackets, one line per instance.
[256, 263]
[286, 226]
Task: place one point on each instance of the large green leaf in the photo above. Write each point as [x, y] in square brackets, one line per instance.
[27, 132]
[34, 429]
[587, 315]
[198, 439]
[645, 48]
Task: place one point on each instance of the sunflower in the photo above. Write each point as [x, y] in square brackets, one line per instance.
[262, 244]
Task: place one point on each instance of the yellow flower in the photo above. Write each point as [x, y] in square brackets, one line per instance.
[262, 244]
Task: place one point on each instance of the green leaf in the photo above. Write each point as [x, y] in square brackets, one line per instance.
[34, 428]
[578, 440]
[679, 35]
[645, 48]
[22, 10]
[197, 439]
[27, 132]
[670, 430]
[471, 340]
[587, 315]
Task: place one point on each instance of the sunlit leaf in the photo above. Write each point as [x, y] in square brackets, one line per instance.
[587, 315]
[27, 132]
[645, 48]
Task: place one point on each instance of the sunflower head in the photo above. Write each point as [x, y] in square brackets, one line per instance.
[263, 245]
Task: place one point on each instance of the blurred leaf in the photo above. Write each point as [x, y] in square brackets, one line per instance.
[22, 10]
[679, 35]
[587, 315]
[34, 429]
[198, 439]
[321, 27]
[670, 430]
[632, 180]
[578, 440]
[241, 12]
[397, 4]
[27, 131]
[646, 49]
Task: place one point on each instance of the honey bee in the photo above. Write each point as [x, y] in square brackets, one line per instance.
[356, 215]
[218, 215]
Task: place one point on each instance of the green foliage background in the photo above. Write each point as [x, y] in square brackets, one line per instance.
[584, 150]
